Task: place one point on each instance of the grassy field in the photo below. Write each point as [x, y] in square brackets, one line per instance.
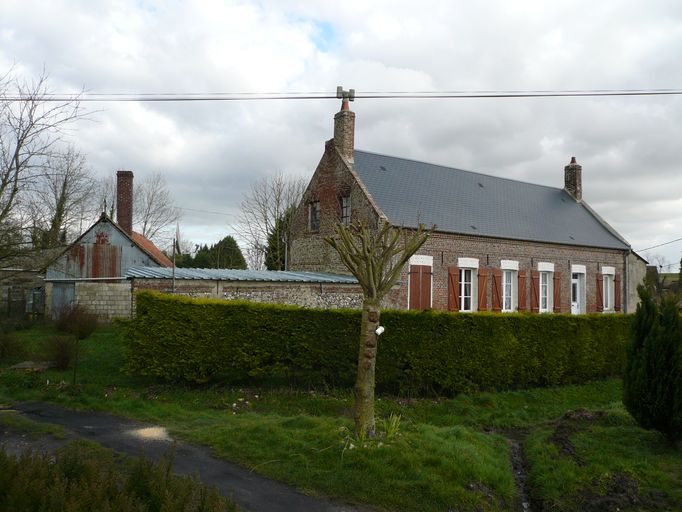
[580, 450]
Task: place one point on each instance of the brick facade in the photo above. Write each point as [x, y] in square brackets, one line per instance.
[334, 177]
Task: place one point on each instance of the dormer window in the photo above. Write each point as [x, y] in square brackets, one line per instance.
[345, 209]
[314, 216]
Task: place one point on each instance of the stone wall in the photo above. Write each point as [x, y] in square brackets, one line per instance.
[106, 300]
[308, 295]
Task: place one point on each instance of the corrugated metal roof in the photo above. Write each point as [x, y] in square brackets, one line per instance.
[457, 201]
[238, 275]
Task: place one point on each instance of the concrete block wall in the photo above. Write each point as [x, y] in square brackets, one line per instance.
[106, 300]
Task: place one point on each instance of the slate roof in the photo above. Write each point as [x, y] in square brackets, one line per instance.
[223, 274]
[465, 202]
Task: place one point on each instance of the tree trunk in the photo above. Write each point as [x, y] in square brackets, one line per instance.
[364, 384]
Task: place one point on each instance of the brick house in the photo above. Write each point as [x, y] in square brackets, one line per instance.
[91, 271]
[499, 245]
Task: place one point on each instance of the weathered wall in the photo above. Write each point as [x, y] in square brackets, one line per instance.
[332, 180]
[636, 274]
[106, 300]
[309, 295]
[17, 287]
[445, 248]
[102, 251]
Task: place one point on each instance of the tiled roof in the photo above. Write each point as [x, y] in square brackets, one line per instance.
[223, 274]
[148, 246]
[457, 201]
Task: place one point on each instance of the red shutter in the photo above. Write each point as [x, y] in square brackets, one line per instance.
[483, 289]
[453, 288]
[497, 290]
[425, 301]
[534, 291]
[600, 292]
[616, 292]
[557, 292]
[522, 290]
[415, 283]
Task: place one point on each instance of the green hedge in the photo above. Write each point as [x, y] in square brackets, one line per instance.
[178, 338]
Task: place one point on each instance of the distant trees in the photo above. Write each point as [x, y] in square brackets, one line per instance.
[30, 129]
[264, 221]
[224, 254]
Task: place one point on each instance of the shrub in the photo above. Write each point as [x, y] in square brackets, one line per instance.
[75, 319]
[652, 382]
[11, 347]
[61, 351]
[83, 477]
[178, 338]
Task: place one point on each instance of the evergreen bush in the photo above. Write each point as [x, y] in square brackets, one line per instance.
[652, 382]
[421, 352]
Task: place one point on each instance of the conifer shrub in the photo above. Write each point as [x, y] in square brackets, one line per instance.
[652, 381]
[421, 352]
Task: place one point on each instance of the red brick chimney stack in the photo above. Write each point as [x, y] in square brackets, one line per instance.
[573, 179]
[344, 124]
[124, 201]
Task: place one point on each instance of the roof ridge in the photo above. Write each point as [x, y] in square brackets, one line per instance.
[476, 173]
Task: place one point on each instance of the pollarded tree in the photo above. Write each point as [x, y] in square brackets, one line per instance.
[376, 258]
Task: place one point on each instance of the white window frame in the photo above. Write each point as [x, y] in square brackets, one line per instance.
[510, 280]
[468, 265]
[608, 290]
[546, 291]
[581, 271]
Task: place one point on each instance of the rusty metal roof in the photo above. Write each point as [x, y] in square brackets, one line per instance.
[223, 274]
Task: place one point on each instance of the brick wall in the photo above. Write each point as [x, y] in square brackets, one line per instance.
[318, 295]
[333, 177]
[332, 180]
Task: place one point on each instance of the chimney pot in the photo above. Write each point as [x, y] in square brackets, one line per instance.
[573, 181]
[124, 201]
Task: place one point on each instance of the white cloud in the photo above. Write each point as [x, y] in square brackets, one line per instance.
[212, 152]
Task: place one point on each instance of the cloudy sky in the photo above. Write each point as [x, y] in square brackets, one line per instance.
[211, 152]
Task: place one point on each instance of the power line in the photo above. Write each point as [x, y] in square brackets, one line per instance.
[659, 245]
[206, 211]
[316, 95]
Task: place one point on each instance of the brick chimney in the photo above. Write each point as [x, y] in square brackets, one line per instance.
[573, 179]
[344, 125]
[124, 201]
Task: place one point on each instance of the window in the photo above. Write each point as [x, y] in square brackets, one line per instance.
[466, 289]
[345, 210]
[608, 287]
[510, 272]
[545, 295]
[315, 216]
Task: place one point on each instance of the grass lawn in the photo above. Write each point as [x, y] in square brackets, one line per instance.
[447, 454]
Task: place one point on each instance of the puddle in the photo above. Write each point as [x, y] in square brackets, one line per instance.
[151, 434]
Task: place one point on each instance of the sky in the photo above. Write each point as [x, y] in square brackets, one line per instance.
[211, 153]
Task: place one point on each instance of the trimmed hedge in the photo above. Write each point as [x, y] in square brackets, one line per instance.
[179, 338]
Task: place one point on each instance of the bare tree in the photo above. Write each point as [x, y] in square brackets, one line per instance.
[154, 210]
[262, 208]
[30, 126]
[60, 199]
[376, 258]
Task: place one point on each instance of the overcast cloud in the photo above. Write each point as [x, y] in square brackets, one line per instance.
[210, 152]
